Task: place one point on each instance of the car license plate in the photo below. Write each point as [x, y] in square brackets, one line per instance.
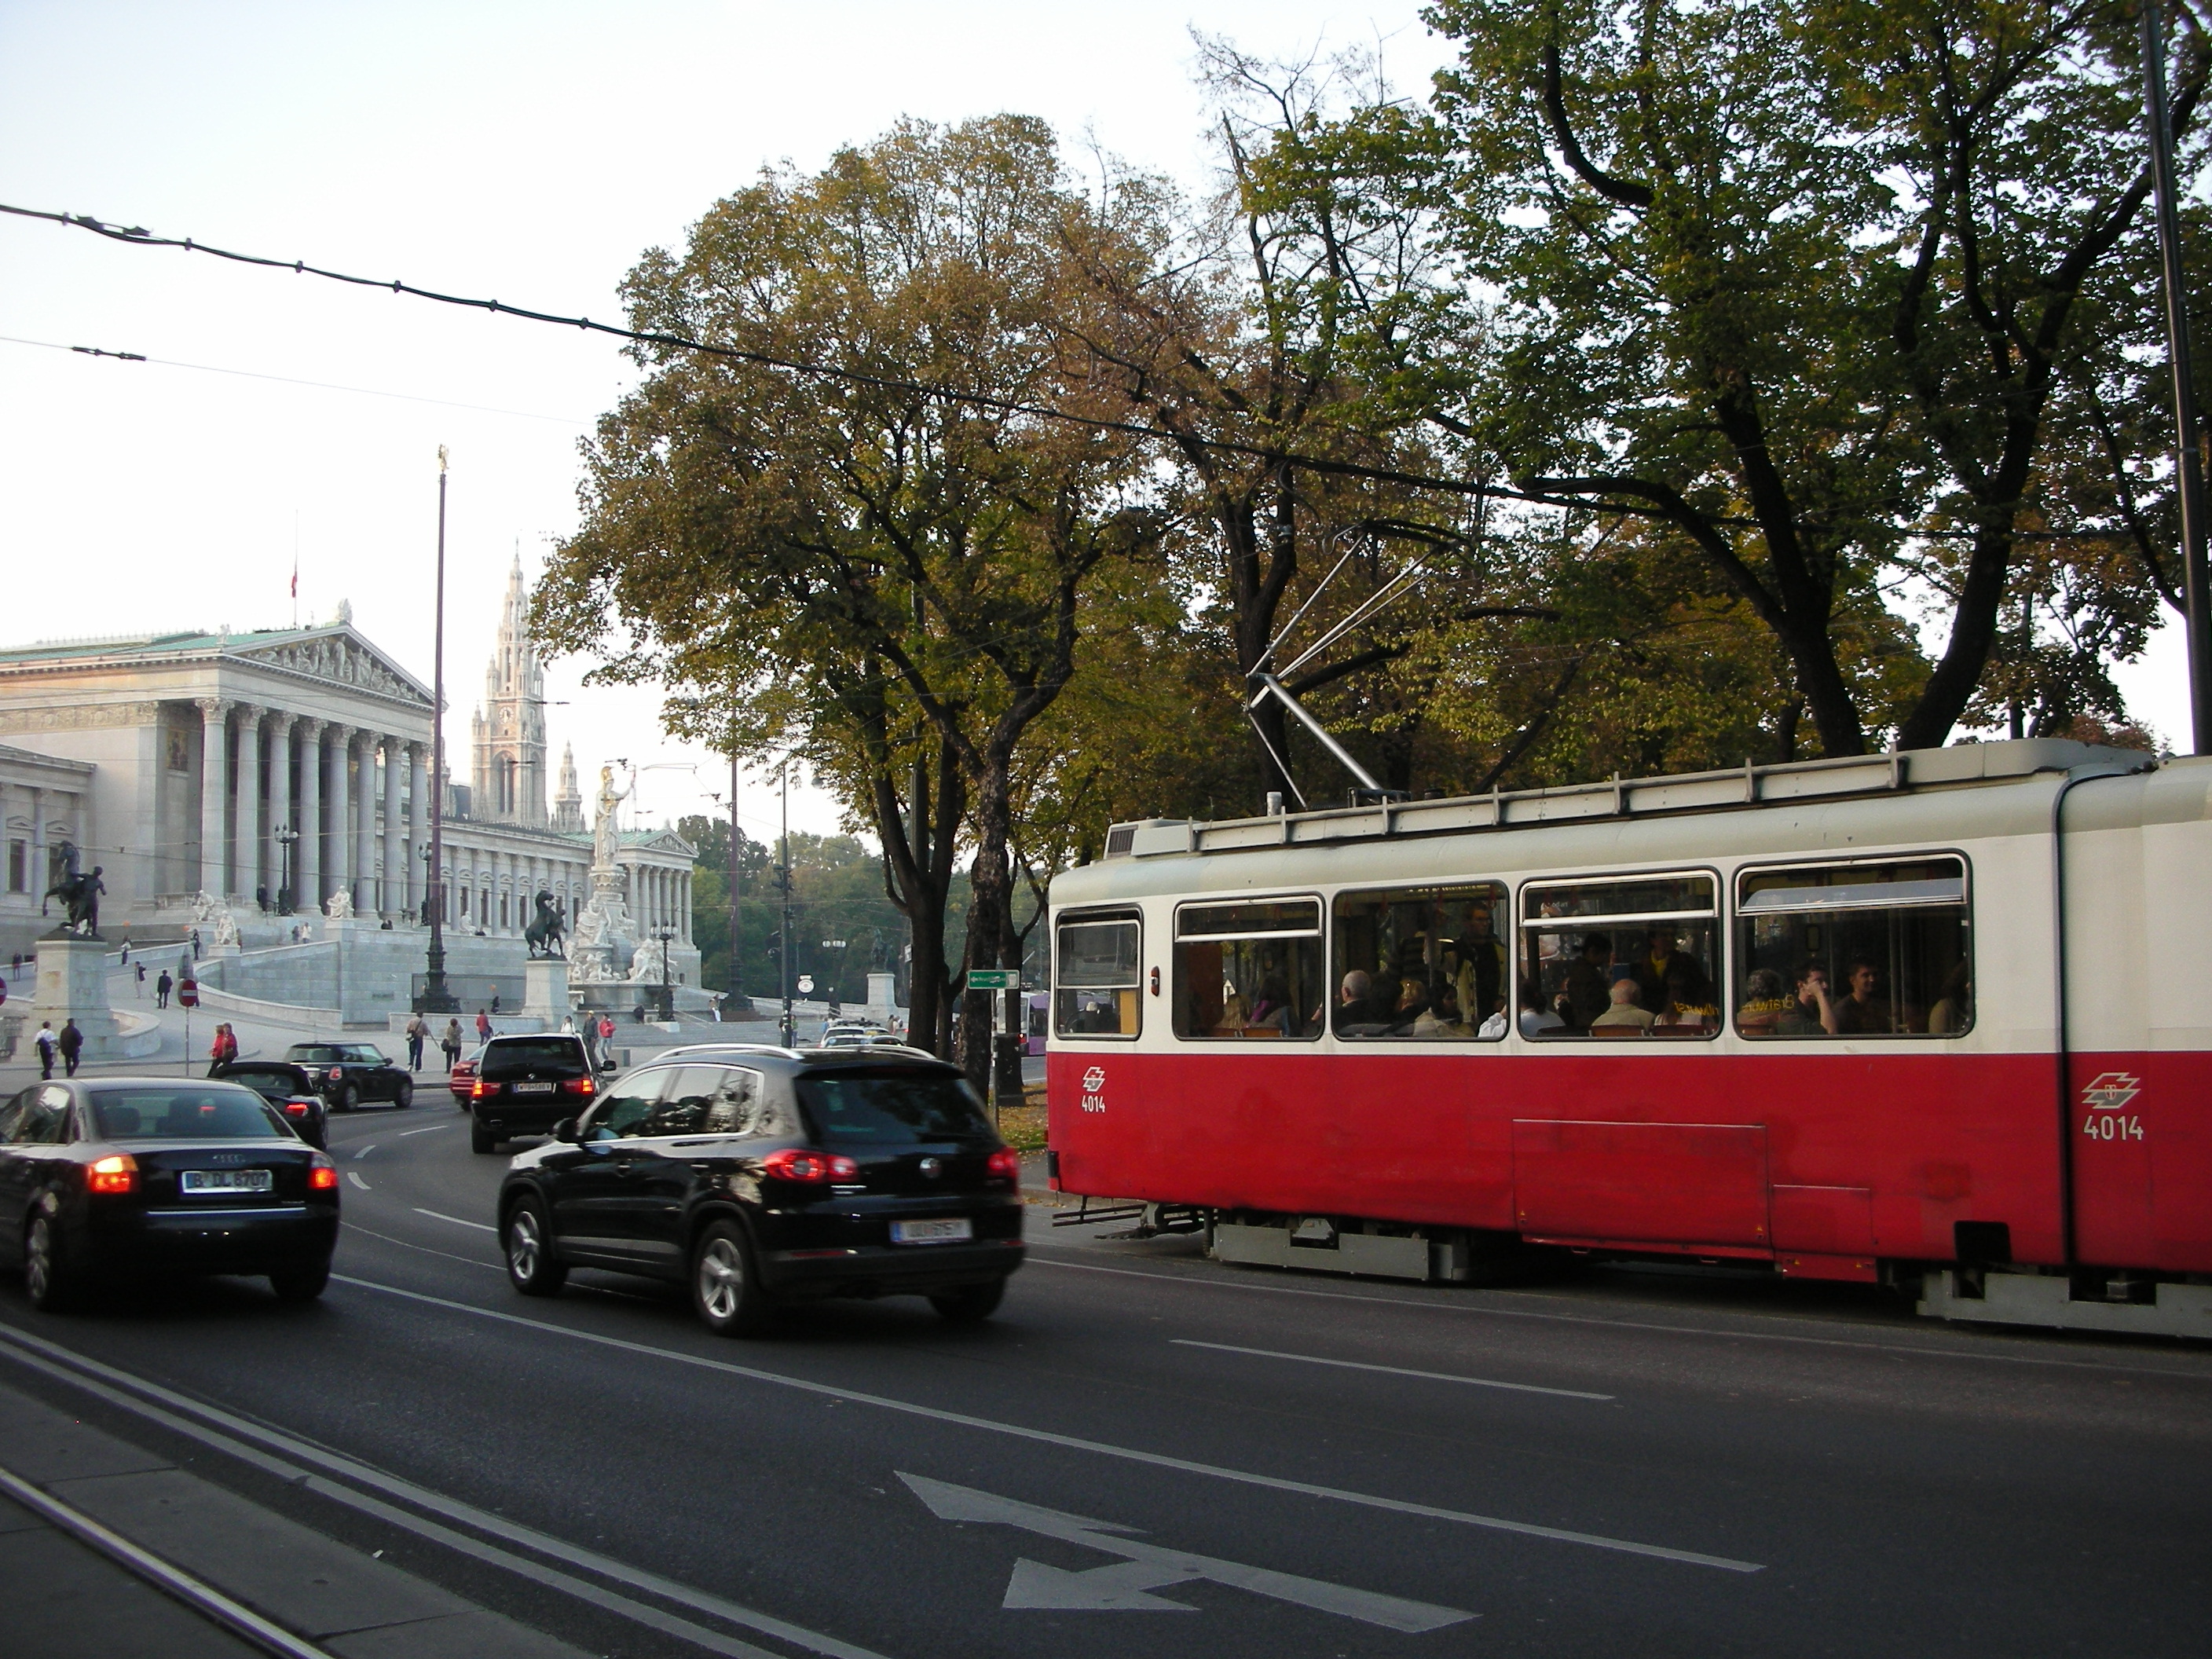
[958, 1231]
[228, 1181]
[533, 1088]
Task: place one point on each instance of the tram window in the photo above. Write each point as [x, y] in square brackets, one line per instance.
[1629, 957]
[1095, 976]
[1855, 951]
[1418, 964]
[1248, 971]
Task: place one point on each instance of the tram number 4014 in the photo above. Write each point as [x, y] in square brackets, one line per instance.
[2113, 1126]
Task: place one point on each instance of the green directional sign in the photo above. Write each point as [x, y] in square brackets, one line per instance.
[995, 979]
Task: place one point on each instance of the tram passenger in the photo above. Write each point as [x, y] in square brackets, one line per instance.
[1662, 952]
[1481, 975]
[1953, 1011]
[1863, 1014]
[1692, 1004]
[1535, 1017]
[1764, 1002]
[1585, 995]
[1271, 1004]
[1412, 1003]
[1441, 1017]
[1812, 1013]
[1356, 1014]
[1626, 1014]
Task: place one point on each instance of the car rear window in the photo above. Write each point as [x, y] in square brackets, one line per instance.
[532, 1054]
[874, 1106]
[333, 1054]
[265, 1079]
[184, 1112]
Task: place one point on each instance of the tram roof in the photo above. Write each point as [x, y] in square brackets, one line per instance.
[1749, 787]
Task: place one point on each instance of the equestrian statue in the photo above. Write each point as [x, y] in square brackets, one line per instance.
[80, 894]
[548, 929]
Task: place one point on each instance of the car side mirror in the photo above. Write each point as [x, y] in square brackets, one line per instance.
[565, 1131]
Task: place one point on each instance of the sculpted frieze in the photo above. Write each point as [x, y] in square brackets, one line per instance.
[340, 661]
[79, 717]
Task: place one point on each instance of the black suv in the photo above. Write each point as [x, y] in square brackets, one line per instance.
[347, 1073]
[289, 1090]
[764, 1175]
[524, 1085]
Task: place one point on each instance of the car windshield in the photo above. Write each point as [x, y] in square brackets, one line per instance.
[886, 1106]
[521, 1054]
[184, 1111]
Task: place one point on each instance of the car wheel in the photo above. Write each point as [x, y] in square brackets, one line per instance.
[349, 1097]
[532, 1266]
[301, 1283]
[46, 1275]
[481, 1140]
[725, 1290]
[405, 1098]
[970, 1305]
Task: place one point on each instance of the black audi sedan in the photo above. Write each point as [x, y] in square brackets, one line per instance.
[764, 1177]
[107, 1180]
[289, 1090]
[347, 1073]
[526, 1084]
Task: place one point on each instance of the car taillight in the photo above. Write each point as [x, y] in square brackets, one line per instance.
[796, 1163]
[322, 1175]
[296, 1108]
[337, 1073]
[476, 1090]
[1006, 1162]
[119, 1173]
[579, 1085]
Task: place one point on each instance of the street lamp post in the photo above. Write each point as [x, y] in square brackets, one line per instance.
[436, 998]
[284, 835]
[665, 933]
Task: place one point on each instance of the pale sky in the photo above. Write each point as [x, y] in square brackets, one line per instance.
[528, 153]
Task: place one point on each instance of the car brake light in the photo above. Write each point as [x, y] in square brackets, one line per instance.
[579, 1085]
[119, 1173]
[297, 1107]
[322, 1175]
[1006, 1162]
[476, 1090]
[797, 1164]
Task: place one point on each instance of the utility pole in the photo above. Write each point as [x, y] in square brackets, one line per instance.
[790, 1017]
[436, 998]
[2189, 469]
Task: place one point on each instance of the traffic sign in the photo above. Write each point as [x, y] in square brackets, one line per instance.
[4, 990]
[995, 979]
[188, 993]
[806, 985]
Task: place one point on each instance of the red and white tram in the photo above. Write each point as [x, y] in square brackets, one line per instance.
[1938, 1017]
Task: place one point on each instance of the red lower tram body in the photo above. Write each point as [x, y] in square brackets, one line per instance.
[1829, 1167]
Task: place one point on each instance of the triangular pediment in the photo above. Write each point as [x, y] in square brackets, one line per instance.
[338, 656]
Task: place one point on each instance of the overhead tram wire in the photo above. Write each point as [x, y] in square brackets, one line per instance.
[138, 236]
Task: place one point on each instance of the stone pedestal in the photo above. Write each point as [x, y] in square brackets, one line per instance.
[72, 985]
[545, 990]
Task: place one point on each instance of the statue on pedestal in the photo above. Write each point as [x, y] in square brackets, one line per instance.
[547, 929]
[340, 908]
[79, 894]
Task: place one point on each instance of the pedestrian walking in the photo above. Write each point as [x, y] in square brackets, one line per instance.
[71, 1044]
[139, 990]
[606, 1041]
[223, 1049]
[452, 1044]
[162, 987]
[415, 1032]
[494, 1002]
[195, 944]
[45, 1041]
[483, 1026]
[126, 963]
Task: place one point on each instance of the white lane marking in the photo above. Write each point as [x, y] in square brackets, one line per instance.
[481, 1226]
[364, 1151]
[1393, 1370]
[354, 1176]
[1074, 1443]
[1122, 1587]
[1484, 1310]
[79, 1372]
[426, 1129]
[352, 1226]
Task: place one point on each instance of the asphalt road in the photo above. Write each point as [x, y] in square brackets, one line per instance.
[1148, 1452]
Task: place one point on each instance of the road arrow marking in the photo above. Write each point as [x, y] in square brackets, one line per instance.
[1123, 1587]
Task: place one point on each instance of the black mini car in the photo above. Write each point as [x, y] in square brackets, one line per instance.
[759, 1176]
[289, 1090]
[524, 1084]
[347, 1073]
[111, 1180]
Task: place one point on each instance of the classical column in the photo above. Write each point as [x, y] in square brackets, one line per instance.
[364, 822]
[307, 855]
[280, 800]
[418, 828]
[247, 864]
[391, 895]
[215, 780]
[37, 873]
[337, 869]
[683, 904]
